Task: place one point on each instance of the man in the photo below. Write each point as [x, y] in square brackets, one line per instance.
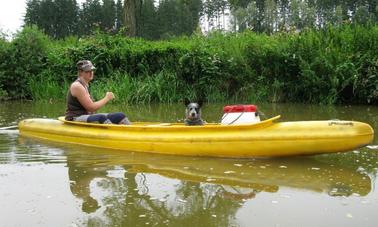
[81, 107]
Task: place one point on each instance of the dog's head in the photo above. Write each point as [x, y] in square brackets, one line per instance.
[193, 109]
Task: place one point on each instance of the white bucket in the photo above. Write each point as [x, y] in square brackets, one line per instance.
[240, 114]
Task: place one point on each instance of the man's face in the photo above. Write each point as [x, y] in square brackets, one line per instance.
[88, 75]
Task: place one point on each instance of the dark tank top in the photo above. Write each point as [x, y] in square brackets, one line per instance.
[74, 107]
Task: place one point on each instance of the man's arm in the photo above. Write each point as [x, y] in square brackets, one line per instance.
[82, 95]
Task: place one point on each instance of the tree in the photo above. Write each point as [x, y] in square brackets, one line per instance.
[215, 12]
[362, 15]
[130, 17]
[32, 12]
[178, 17]
[295, 12]
[270, 16]
[120, 20]
[188, 15]
[195, 8]
[152, 20]
[90, 16]
[108, 19]
[57, 18]
[66, 18]
[338, 15]
[167, 21]
[147, 23]
[283, 9]
[309, 16]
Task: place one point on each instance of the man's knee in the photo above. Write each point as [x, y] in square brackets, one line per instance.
[116, 118]
[101, 118]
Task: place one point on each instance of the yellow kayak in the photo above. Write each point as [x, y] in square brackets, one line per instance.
[263, 139]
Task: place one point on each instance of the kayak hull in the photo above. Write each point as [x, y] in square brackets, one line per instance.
[264, 139]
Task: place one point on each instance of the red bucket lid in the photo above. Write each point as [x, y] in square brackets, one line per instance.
[239, 108]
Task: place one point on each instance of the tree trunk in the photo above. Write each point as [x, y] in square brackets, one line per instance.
[130, 17]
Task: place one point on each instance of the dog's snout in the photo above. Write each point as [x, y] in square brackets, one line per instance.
[193, 113]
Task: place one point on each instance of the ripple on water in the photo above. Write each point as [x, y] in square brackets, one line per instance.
[9, 132]
[13, 152]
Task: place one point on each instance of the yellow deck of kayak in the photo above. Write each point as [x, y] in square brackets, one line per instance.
[263, 139]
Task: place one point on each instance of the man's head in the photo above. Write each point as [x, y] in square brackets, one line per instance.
[85, 66]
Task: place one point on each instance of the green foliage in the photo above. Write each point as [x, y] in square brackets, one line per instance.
[270, 16]
[175, 18]
[337, 65]
[58, 19]
[147, 20]
[45, 86]
[334, 65]
[22, 60]
[161, 87]
[4, 50]
[167, 19]
[62, 18]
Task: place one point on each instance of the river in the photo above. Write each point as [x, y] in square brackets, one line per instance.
[51, 184]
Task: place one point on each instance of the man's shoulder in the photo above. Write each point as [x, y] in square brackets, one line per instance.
[77, 87]
[76, 84]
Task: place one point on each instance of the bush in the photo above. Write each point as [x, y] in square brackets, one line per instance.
[334, 65]
[22, 60]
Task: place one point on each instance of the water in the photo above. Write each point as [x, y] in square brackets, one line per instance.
[50, 184]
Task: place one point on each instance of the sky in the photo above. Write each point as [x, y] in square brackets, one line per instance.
[12, 14]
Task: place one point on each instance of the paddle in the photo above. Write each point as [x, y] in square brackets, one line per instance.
[9, 127]
[372, 147]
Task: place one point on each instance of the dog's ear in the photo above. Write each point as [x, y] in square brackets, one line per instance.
[186, 101]
[200, 102]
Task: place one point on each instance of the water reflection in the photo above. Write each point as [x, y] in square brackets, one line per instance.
[124, 188]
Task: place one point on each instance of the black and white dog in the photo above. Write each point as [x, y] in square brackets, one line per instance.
[193, 113]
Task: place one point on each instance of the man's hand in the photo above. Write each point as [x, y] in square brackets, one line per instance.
[109, 95]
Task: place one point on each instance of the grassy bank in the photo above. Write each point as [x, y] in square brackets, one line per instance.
[334, 65]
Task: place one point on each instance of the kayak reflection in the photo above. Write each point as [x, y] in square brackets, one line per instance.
[259, 174]
[236, 179]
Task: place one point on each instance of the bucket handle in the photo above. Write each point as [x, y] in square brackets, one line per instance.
[225, 115]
